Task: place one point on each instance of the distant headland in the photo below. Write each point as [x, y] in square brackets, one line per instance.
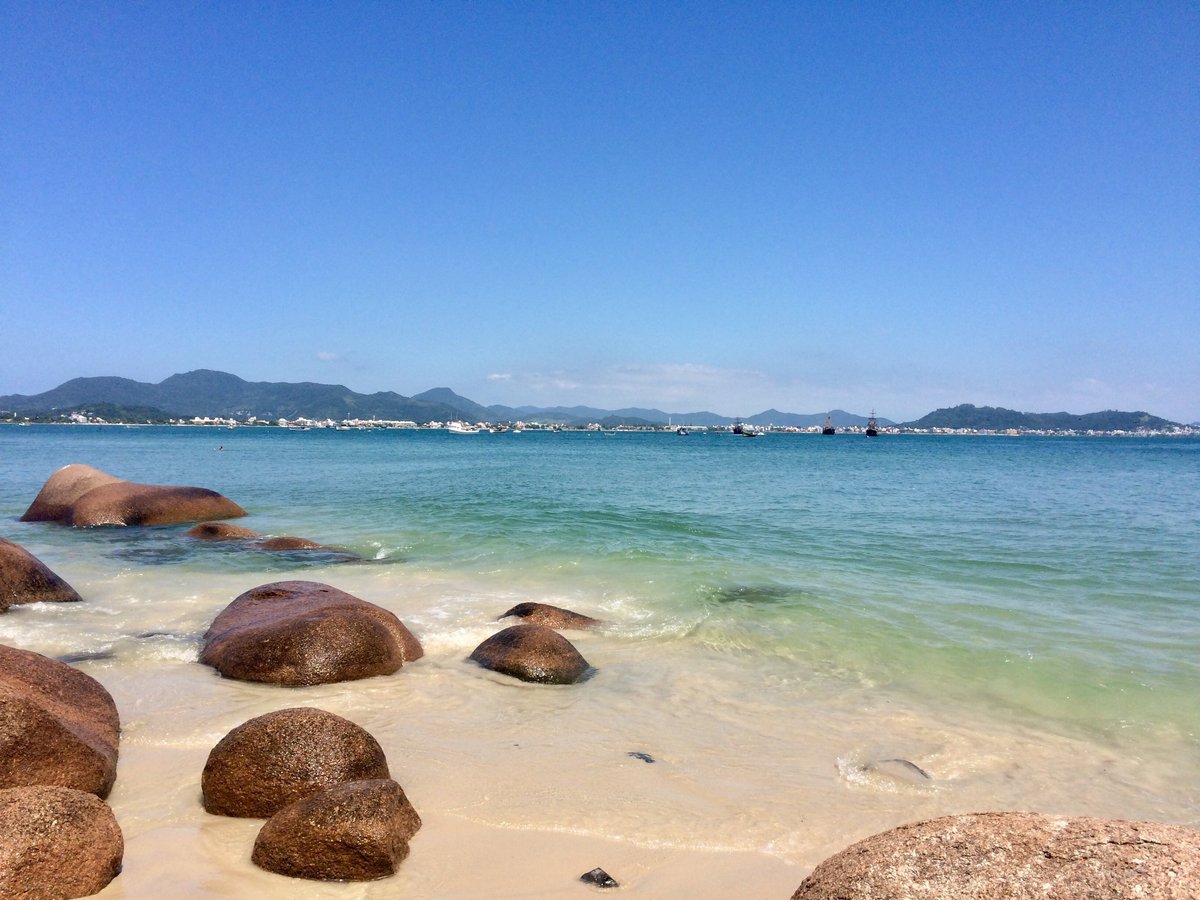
[205, 396]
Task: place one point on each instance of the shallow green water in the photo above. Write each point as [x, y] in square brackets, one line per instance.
[1053, 581]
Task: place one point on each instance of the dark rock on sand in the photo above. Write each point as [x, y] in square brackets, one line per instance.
[82, 496]
[304, 632]
[56, 843]
[26, 579]
[551, 616]
[532, 653]
[276, 759]
[644, 757]
[351, 832]
[58, 726]
[989, 856]
[599, 878]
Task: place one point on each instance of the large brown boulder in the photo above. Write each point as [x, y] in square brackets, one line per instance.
[26, 579]
[304, 632]
[56, 843]
[82, 496]
[352, 832]
[989, 856]
[281, 757]
[551, 616]
[532, 653]
[56, 499]
[58, 726]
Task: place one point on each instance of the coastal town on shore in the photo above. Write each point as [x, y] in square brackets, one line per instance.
[461, 427]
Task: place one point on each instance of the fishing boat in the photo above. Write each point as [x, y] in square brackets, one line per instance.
[872, 425]
[463, 428]
[744, 430]
[828, 428]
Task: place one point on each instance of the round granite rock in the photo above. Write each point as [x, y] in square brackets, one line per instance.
[551, 616]
[58, 726]
[1006, 855]
[56, 843]
[533, 653]
[352, 832]
[303, 633]
[281, 757]
[26, 579]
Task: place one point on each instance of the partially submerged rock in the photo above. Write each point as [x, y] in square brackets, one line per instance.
[26, 579]
[82, 496]
[56, 843]
[278, 758]
[357, 831]
[532, 653]
[223, 531]
[990, 856]
[551, 616]
[303, 633]
[58, 726]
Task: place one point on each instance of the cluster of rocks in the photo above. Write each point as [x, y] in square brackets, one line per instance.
[59, 731]
[322, 783]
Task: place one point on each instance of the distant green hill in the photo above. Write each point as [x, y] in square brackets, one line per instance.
[208, 393]
[989, 418]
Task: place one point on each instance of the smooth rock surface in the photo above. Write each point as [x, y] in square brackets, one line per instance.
[56, 843]
[58, 726]
[278, 758]
[551, 616]
[997, 856]
[532, 653]
[303, 633]
[85, 497]
[221, 531]
[26, 579]
[352, 832]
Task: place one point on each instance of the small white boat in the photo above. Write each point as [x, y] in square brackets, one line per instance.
[464, 428]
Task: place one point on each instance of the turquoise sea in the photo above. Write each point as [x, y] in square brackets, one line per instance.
[1020, 617]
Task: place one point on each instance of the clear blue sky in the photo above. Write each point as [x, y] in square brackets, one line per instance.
[717, 206]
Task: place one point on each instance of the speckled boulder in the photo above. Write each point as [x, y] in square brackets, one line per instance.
[26, 579]
[56, 843]
[304, 632]
[532, 653]
[281, 757]
[352, 832]
[58, 726]
[85, 497]
[551, 616]
[1000, 856]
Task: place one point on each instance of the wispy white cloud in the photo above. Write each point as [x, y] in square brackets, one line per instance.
[500, 376]
[328, 356]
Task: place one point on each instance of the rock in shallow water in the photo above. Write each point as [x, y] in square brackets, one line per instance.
[551, 616]
[532, 653]
[56, 843]
[599, 878]
[303, 633]
[997, 856]
[26, 579]
[275, 759]
[351, 832]
[58, 726]
[82, 496]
